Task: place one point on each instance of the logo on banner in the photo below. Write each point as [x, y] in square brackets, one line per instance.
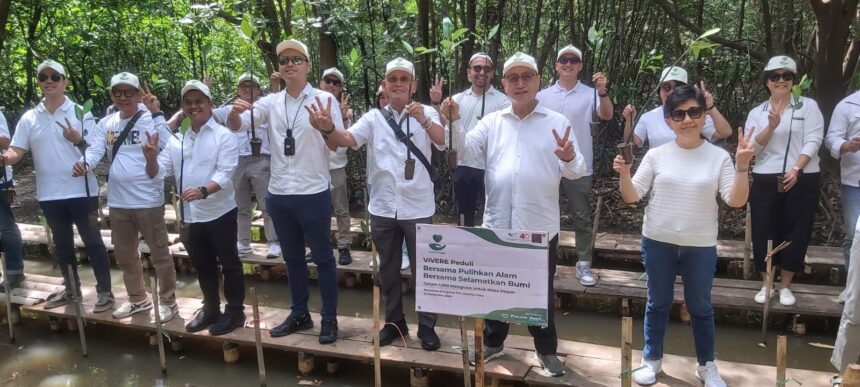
[437, 246]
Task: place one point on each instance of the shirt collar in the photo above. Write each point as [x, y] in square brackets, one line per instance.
[490, 90]
[307, 91]
[576, 89]
[539, 109]
[211, 124]
[67, 104]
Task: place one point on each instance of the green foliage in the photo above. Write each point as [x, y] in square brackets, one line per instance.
[184, 125]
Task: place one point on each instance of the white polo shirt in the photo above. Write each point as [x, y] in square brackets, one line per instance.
[577, 105]
[652, 127]
[53, 155]
[4, 132]
[337, 159]
[243, 136]
[806, 128]
[306, 172]
[128, 186]
[523, 172]
[470, 112]
[391, 195]
[845, 125]
[210, 155]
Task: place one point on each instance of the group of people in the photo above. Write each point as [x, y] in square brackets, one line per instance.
[517, 148]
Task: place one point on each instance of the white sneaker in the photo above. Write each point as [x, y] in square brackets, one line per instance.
[759, 297]
[583, 272]
[167, 312]
[274, 250]
[244, 250]
[130, 308]
[709, 374]
[404, 262]
[785, 297]
[647, 373]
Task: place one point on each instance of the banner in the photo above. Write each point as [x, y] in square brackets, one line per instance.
[478, 272]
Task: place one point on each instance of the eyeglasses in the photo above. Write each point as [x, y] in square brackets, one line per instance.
[331, 81]
[56, 77]
[128, 93]
[485, 69]
[774, 77]
[693, 112]
[569, 59]
[393, 79]
[297, 60]
[248, 86]
[515, 78]
[667, 87]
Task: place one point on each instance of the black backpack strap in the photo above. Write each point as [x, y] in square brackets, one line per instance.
[124, 134]
[409, 144]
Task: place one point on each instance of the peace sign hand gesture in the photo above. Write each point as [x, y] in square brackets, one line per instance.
[436, 90]
[150, 147]
[746, 149]
[70, 133]
[320, 117]
[564, 147]
[709, 99]
[344, 106]
[149, 100]
[774, 116]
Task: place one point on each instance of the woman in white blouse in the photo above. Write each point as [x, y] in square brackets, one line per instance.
[784, 193]
[679, 231]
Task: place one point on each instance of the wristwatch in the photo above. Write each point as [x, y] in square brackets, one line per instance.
[797, 169]
[204, 191]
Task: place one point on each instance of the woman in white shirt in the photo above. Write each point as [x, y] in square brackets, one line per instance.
[784, 193]
[679, 231]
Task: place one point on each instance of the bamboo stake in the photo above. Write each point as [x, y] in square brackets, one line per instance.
[464, 342]
[76, 303]
[377, 362]
[769, 287]
[479, 352]
[747, 242]
[159, 327]
[626, 351]
[781, 344]
[8, 291]
[258, 341]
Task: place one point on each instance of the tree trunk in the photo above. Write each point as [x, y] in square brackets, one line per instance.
[767, 25]
[834, 20]
[422, 67]
[328, 47]
[496, 44]
[469, 45]
[28, 61]
[536, 27]
[5, 7]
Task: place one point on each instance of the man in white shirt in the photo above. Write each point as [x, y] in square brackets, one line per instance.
[475, 103]
[299, 198]
[12, 246]
[251, 178]
[843, 141]
[203, 160]
[578, 103]
[57, 138]
[136, 201]
[401, 193]
[526, 158]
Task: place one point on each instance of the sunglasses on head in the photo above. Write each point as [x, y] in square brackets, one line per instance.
[569, 59]
[774, 77]
[485, 69]
[54, 77]
[693, 112]
[128, 93]
[515, 78]
[332, 81]
[297, 60]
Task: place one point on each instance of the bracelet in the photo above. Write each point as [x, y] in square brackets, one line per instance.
[203, 190]
[330, 131]
[604, 95]
[426, 124]
[711, 107]
[747, 169]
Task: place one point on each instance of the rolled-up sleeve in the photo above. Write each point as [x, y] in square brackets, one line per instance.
[228, 158]
[573, 169]
[837, 133]
[813, 130]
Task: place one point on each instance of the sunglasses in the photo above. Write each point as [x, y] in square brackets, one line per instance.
[297, 60]
[515, 78]
[693, 112]
[774, 77]
[668, 87]
[485, 69]
[331, 81]
[54, 77]
[403, 79]
[569, 59]
[128, 93]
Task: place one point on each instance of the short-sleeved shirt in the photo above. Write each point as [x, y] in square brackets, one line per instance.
[652, 127]
[577, 105]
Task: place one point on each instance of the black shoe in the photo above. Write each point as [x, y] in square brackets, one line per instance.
[203, 320]
[345, 258]
[328, 331]
[292, 324]
[429, 338]
[309, 257]
[227, 323]
[390, 332]
[14, 281]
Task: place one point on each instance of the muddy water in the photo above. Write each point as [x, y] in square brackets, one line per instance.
[42, 358]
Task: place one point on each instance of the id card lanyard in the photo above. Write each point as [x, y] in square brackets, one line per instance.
[289, 140]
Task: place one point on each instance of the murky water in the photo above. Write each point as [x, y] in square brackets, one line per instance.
[42, 358]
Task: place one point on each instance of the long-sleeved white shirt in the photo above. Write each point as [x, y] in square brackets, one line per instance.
[209, 155]
[523, 172]
[307, 171]
[4, 132]
[53, 155]
[128, 186]
[684, 185]
[470, 112]
[243, 136]
[391, 195]
[845, 125]
[806, 127]
[577, 105]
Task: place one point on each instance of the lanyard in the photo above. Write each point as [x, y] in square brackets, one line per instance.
[289, 133]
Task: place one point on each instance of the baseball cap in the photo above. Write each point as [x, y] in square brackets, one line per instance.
[125, 78]
[569, 49]
[781, 62]
[52, 65]
[400, 64]
[295, 45]
[520, 59]
[195, 85]
[674, 73]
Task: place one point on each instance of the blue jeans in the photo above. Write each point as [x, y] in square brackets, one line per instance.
[10, 237]
[299, 219]
[696, 266]
[850, 212]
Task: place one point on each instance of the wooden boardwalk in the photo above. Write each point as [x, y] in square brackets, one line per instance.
[587, 364]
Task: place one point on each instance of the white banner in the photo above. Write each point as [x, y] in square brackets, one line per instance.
[478, 272]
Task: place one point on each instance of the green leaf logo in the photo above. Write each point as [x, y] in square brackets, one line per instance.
[437, 246]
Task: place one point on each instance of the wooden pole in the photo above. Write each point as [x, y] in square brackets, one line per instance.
[464, 342]
[159, 327]
[626, 351]
[377, 362]
[258, 340]
[781, 344]
[8, 290]
[479, 352]
[851, 377]
[76, 303]
[747, 242]
[768, 285]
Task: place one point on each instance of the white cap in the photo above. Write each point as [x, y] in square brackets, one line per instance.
[674, 73]
[248, 77]
[520, 60]
[295, 45]
[480, 55]
[569, 49]
[400, 64]
[335, 72]
[195, 85]
[53, 65]
[781, 62]
[125, 79]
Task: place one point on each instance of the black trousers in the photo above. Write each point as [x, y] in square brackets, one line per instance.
[546, 339]
[212, 243]
[469, 186]
[782, 216]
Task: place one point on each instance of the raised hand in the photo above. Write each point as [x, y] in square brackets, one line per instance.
[416, 110]
[618, 165]
[240, 106]
[150, 147]
[436, 90]
[70, 133]
[629, 112]
[746, 149]
[207, 80]
[79, 169]
[450, 107]
[344, 106]
[774, 116]
[149, 100]
[599, 80]
[709, 99]
[564, 147]
[275, 81]
[320, 117]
